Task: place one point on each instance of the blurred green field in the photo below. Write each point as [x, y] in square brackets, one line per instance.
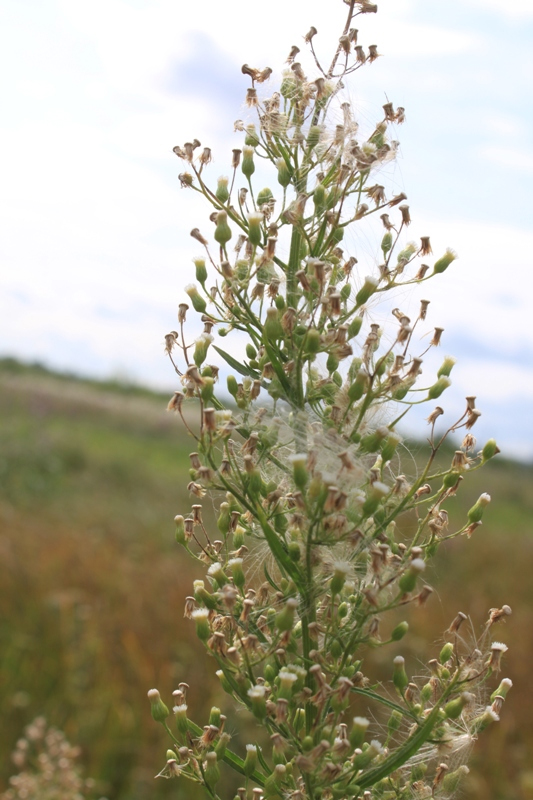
[92, 587]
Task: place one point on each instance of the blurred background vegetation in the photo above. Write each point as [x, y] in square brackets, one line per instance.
[92, 587]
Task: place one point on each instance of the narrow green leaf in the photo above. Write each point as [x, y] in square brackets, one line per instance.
[242, 369]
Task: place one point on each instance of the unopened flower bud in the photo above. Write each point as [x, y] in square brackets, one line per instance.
[399, 675]
[439, 387]
[159, 710]
[446, 653]
[197, 301]
[299, 470]
[248, 166]
[201, 619]
[490, 450]
[222, 193]
[444, 262]
[408, 580]
[251, 760]
[476, 512]
[366, 291]
[286, 617]
[399, 631]
[358, 731]
[255, 233]
[454, 708]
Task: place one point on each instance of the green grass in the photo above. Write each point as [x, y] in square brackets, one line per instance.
[91, 599]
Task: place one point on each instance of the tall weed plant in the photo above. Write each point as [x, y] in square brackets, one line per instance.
[321, 534]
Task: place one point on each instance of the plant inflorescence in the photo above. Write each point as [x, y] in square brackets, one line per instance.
[319, 533]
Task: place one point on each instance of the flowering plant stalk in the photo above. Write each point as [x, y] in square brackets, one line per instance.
[311, 554]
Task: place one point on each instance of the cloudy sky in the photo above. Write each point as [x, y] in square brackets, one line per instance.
[94, 245]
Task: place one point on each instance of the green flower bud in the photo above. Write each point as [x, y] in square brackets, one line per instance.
[452, 779]
[386, 243]
[264, 196]
[340, 573]
[312, 341]
[408, 580]
[222, 233]
[272, 329]
[207, 390]
[313, 136]
[502, 690]
[439, 387]
[211, 770]
[255, 233]
[251, 760]
[226, 685]
[359, 386]
[336, 650]
[399, 675]
[201, 595]
[371, 442]
[358, 731]
[299, 720]
[444, 262]
[237, 572]
[399, 631]
[159, 710]
[394, 722]
[319, 196]
[222, 193]
[446, 367]
[182, 723]
[483, 721]
[201, 270]
[233, 386]
[224, 517]
[376, 493]
[286, 617]
[238, 537]
[490, 450]
[197, 301]
[389, 446]
[299, 470]
[201, 619]
[454, 708]
[201, 347]
[287, 680]
[214, 716]
[426, 692]
[366, 291]
[251, 138]
[274, 781]
[363, 759]
[446, 653]
[354, 327]
[407, 253]
[284, 172]
[221, 745]
[476, 512]
[332, 363]
[450, 479]
[345, 293]
[247, 165]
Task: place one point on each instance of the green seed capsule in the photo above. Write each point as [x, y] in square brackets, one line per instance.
[222, 233]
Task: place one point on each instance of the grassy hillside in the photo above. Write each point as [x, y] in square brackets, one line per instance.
[91, 598]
